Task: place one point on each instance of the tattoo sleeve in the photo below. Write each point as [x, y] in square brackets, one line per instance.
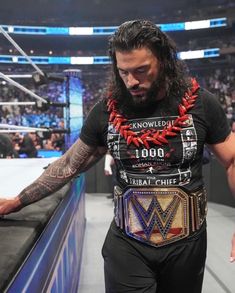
[76, 160]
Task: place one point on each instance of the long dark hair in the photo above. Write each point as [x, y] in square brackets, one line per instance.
[143, 33]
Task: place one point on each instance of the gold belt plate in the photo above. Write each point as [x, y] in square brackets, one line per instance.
[157, 216]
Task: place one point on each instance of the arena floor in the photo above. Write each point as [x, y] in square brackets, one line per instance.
[219, 274]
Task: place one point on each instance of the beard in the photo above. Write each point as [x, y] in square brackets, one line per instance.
[136, 104]
[146, 99]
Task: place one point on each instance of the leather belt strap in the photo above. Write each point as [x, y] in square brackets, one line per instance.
[159, 216]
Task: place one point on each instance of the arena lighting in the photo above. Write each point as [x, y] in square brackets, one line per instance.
[206, 53]
[80, 31]
[107, 30]
[201, 24]
[82, 60]
[199, 54]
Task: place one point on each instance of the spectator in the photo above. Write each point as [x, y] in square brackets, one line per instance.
[26, 146]
[6, 147]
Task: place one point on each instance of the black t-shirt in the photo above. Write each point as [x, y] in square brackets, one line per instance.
[178, 163]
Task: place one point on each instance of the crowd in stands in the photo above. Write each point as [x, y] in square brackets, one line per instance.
[222, 84]
[33, 116]
[95, 87]
[94, 80]
[217, 38]
[28, 145]
[30, 115]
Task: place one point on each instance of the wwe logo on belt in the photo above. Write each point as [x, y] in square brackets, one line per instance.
[157, 216]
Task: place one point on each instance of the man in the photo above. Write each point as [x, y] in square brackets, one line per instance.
[26, 145]
[157, 241]
[6, 147]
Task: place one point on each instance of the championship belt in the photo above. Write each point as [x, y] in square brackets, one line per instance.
[159, 216]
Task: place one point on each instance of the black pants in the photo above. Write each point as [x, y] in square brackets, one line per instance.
[131, 266]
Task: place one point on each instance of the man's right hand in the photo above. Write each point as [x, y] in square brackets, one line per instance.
[232, 256]
[8, 206]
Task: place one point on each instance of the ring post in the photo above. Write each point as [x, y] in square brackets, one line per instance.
[73, 112]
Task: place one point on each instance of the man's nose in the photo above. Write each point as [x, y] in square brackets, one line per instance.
[132, 81]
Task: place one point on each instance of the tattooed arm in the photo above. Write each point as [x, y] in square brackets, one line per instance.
[76, 160]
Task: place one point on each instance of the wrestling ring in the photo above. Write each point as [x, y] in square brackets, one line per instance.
[41, 245]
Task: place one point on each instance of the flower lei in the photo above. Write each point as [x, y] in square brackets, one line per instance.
[157, 137]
